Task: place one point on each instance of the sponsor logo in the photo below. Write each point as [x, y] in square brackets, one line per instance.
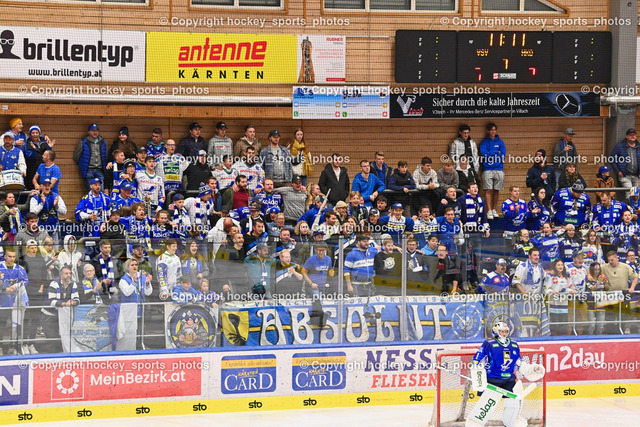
[65, 381]
[248, 374]
[256, 404]
[619, 390]
[485, 410]
[191, 326]
[25, 416]
[14, 385]
[319, 371]
[569, 392]
[142, 410]
[309, 402]
[84, 413]
[363, 400]
[199, 407]
[415, 398]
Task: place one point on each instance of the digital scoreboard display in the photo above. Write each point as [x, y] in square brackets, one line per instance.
[503, 57]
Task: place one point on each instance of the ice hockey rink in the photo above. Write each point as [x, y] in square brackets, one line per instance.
[624, 411]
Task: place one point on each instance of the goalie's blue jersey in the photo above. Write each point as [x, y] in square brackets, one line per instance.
[500, 360]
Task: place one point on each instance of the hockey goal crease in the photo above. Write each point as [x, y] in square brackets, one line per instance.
[454, 398]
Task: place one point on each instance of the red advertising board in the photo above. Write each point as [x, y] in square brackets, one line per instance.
[590, 360]
[101, 379]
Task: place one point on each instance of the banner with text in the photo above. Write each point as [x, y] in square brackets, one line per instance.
[72, 54]
[340, 102]
[550, 104]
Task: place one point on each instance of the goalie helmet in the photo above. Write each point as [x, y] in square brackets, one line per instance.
[499, 327]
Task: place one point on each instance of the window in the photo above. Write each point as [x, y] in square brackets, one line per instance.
[135, 2]
[240, 3]
[521, 6]
[392, 5]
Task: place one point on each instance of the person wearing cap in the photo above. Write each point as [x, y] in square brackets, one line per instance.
[150, 187]
[11, 157]
[220, 145]
[604, 180]
[570, 176]
[155, 145]
[542, 175]
[625, 158]
[48, 170]
[199, 210]
[15, 127]
[359, 268]
[341, 210]
[276, 161]
[192, 144]
[396, 224]
[367, 183]
[93, 209]
[124, 144]
[255, 212]
[571, 206]
[91, 155]
[578, 272]
[170, 167]
[249, 167]
[570, 243]
[140, 158]
[124, 197]
[335, 177]
[48, 205]
[293, 199]
[248, 140]
[496, 281]
[34, 148]
[564, 152]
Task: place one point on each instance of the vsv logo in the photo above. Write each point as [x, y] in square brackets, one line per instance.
[14, 385]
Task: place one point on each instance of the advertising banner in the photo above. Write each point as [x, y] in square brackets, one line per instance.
[551, 104]
[90, 329]
[340, 102]
[374, 319]
[72, 54]
[321, 59]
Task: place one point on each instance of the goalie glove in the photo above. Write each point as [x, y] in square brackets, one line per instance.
[532, 371]
[478, 378]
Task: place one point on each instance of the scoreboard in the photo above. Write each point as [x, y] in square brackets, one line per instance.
[503, 57]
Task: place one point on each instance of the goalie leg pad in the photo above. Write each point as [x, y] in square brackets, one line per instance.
[486, 406]
[511, 414]
[532, 371]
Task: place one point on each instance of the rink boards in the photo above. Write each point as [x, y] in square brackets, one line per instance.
[280, 378]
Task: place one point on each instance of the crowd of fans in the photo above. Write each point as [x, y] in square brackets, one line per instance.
[215, 221]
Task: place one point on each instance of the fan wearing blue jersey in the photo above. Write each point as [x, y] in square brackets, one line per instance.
[496, 362]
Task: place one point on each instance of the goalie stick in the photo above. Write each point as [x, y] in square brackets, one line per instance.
[497, 389]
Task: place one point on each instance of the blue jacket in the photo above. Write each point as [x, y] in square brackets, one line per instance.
[368, 187]
[492, 152]
[359, 264]
[85, 156]
[619, 157]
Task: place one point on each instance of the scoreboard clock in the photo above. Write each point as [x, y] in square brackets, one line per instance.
[503, 57]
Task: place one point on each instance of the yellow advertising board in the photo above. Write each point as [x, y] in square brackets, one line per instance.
[221, 58]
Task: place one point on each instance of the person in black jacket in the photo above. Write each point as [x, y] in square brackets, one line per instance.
[197, 174]
[336, 178]
[542, 175]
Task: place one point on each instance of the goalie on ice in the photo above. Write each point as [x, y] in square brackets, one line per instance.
[495, 363]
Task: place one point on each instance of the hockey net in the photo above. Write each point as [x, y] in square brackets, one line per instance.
[454, 398]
